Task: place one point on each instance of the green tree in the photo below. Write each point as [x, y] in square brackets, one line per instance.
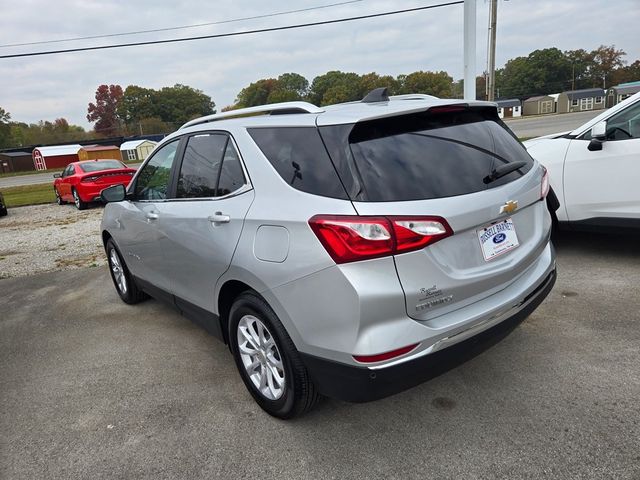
[335, 87]
[630, 73]
[371, 81]
[136, 103]
[542, 71]
[5, 128]
[438, 84]
[181, 103]
[256, 93]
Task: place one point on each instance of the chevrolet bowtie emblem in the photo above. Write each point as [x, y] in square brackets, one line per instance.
[509, 207]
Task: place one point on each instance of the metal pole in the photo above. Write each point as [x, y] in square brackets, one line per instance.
[493, 16]
[469, 49]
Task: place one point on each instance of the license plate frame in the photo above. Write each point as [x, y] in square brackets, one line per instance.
[497, 239]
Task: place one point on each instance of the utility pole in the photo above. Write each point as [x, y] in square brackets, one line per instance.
[469, 49]
[493, 20]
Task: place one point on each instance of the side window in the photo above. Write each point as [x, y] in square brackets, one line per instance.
[300, 158]
[201, 166]
[67, 171]
[231, 176]
[153, 181]
[625, 124]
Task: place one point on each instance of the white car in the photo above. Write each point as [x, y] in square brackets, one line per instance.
[595, 169]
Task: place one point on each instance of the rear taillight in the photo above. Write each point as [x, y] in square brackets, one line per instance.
[544, 187]
[353, 238]
[89, 179]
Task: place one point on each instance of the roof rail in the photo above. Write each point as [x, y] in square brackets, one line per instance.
[413, 96]
[273, 108]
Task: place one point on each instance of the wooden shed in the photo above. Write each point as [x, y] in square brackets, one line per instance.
[581, 100]
[58, 156]
[618, 93]
[16, 162]
[540, 105]
[137, 150]
[99, 152]
[509, 108]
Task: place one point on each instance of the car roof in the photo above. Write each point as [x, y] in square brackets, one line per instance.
[305, 114]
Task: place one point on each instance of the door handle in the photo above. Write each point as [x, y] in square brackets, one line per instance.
[219, 217]
[152, 215]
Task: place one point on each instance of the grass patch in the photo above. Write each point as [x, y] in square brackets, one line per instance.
[28, 195]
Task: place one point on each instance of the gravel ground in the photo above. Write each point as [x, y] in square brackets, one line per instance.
[45, 238]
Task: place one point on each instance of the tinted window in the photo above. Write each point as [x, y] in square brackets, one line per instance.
[153, 181]
[231, 176]
[625, 124]
[427, 155]
[100, 165]
[69, 170]
[299, 156]
[201, 166]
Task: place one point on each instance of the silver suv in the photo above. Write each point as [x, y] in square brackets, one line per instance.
[336, 249]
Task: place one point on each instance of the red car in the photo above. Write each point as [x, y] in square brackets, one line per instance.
[82, 182]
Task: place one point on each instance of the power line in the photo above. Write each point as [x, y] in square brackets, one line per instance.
[233, 34]
[167, 29]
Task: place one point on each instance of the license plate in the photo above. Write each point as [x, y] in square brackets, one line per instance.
[497, 239]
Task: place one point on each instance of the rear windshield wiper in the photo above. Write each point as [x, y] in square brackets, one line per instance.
[503, 170]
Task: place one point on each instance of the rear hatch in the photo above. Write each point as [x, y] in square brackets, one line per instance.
[444, 163]
[110, 177]
[106, 172]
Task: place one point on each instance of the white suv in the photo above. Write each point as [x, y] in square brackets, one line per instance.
[594, 170]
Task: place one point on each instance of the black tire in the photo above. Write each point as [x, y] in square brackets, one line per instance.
[127, 291]
[3, 211]
[299, 394]
[80, 204]
[59, 200]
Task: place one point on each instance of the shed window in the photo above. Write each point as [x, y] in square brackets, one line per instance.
[598, 99]
[131, 154]
[574, 102]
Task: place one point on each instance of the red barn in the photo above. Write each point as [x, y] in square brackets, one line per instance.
[58, 156]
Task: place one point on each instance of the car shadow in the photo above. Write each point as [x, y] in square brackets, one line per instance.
[591, 243]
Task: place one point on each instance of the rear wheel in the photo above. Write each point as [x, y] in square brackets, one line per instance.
[80, 205]
[122, 279]
[267, 359]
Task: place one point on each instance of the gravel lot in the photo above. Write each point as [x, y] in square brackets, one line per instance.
[45, 238]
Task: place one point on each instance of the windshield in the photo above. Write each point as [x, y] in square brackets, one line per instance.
[101, 165]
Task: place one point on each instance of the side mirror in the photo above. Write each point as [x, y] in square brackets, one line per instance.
[57, 175]
[598, 136]
[115, 193]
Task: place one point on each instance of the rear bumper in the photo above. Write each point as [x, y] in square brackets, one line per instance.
[362, 384]
[91, 192]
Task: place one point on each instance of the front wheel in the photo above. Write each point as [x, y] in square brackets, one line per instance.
[59, 200]
[80, 205]
[122, 278]
[267, 359]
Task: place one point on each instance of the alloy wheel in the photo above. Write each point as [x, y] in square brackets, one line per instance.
[261, 358]
[118, 271]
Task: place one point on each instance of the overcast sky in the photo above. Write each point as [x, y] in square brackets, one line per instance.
[48, 87]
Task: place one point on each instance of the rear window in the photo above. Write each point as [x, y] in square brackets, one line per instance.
[424, 156]
[100, 165]
[299, 156]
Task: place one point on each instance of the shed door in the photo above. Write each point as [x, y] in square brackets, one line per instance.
[586, 103]
[508, 112]
[38, 161]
